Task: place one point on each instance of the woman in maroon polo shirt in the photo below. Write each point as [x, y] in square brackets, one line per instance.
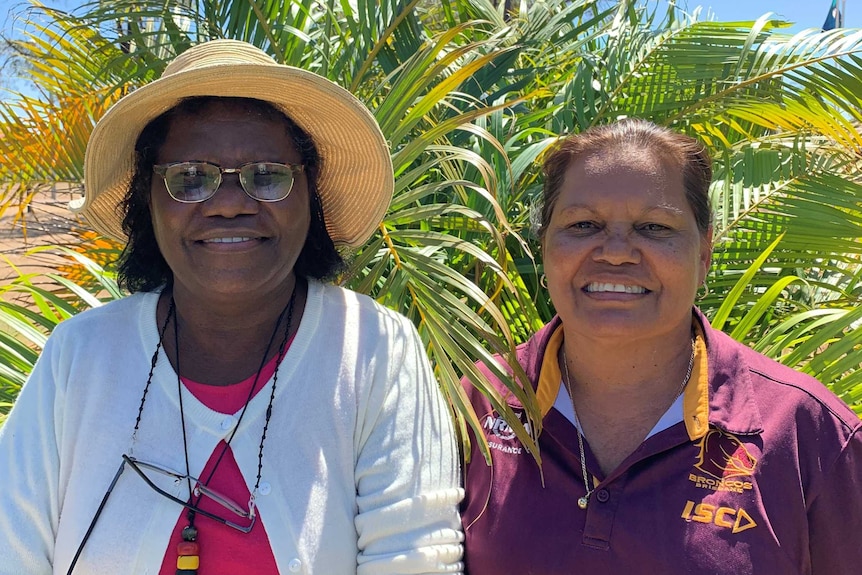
[667, 447]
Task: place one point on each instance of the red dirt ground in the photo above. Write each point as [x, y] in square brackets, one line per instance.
[48, 222]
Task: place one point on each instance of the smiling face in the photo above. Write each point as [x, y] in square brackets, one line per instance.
[623, 254]
[230, 244]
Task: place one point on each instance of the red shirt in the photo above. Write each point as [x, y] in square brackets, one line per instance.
[222, 548]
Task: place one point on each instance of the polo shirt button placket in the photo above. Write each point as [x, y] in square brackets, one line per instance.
[603, 496]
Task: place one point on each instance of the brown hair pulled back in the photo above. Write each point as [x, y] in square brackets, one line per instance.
[684, 151]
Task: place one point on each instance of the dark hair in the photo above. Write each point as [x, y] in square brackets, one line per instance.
[691, 156]
[142, 267]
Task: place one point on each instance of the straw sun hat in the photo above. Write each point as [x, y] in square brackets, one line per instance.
[355, 183]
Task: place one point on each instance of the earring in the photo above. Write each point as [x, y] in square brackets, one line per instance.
[705, 286]
[543, 281]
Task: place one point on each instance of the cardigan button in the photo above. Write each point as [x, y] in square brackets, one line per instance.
[602, 495]
[295, 565]
[265, 488]
[228, 422]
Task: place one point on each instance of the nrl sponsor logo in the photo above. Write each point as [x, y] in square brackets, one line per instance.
[505, 448]
[724, 463]
[737, 520]
[500, 434]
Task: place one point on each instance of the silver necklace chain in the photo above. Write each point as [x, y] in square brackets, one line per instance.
[585, 500]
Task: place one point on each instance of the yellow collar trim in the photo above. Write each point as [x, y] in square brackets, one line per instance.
[695, 397]
[695, 400]
[550, 377]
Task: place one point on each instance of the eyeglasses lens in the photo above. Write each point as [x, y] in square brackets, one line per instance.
[144, 469]
[198, 181]
[266, 181]
[192, 182]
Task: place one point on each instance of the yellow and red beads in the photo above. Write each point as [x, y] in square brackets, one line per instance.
[188, 553]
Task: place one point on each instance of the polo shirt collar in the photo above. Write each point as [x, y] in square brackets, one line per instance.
[732, 404]
[726, 400]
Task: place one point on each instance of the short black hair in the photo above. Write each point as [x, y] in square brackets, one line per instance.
[141, 265]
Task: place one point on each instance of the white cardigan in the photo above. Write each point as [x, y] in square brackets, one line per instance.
[360, 466]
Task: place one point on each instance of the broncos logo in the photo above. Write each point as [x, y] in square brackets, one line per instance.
[723, 456]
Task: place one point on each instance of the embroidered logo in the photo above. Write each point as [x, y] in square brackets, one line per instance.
[500, 434]
[724, 463]
[737, 520]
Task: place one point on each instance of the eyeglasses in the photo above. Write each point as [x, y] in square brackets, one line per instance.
[200, 490]
[192, 182]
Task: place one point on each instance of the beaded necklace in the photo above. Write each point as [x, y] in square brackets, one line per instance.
[188, 551]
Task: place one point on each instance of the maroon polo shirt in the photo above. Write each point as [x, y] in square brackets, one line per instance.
[764, 476]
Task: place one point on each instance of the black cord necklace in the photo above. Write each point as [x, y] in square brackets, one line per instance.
[188, 559]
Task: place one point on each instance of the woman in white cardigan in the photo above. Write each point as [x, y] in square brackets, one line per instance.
[236, 414]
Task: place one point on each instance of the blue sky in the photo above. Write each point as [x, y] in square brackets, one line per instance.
[803, 13]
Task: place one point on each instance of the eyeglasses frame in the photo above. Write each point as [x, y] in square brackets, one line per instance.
[162, 169]
[135, 465]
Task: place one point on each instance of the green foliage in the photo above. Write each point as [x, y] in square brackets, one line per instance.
[469, 99]
[32, 305]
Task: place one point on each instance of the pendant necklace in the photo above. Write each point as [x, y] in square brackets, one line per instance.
[585, 500]
[188, 558]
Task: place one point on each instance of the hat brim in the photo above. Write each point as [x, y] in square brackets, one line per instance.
[355, 183]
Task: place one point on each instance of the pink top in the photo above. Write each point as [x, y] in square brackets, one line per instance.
[222, 548]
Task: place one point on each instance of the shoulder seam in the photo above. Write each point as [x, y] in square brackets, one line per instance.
[851, 429]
